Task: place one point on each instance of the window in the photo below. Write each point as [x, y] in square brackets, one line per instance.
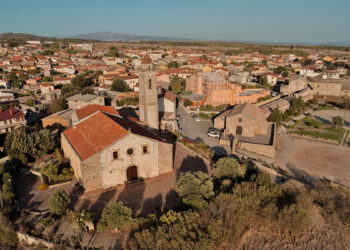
[145, 149]
[150, 83]
[130, 151]
[240, 119]
[115, 155]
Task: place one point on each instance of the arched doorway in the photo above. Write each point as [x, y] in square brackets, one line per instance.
[239, 130]
[131, 173]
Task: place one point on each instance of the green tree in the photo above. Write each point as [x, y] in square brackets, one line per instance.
[204, 57]
[120, 86]
[227, 167]
[306, 62]
[30, 142]
[194, 189]
[173, 64]
[276, 116]
[115, 216]
[177, 84]
[81, 81]
[59, 202]
[188, 102]
[338, 121]
[226, 171]
[30, 102]
[47, 79]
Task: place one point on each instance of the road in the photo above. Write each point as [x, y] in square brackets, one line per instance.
[198, 130]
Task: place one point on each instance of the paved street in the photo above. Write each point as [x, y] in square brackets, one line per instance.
[198, 130]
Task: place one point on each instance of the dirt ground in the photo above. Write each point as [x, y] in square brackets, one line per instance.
[310, 159]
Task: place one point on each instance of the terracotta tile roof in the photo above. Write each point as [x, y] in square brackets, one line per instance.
[168, 95]
[94, 134]
[97, 132]
[10, 113]
[90, 109]
[146, 60]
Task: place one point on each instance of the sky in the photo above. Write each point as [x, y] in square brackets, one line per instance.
[313, 21]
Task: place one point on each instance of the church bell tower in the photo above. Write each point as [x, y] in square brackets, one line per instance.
[148, 95]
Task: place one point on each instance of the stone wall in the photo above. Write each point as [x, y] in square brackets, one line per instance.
[114, 171]
[74, 158]
[260, 149]
[165, 161]
[148, 99]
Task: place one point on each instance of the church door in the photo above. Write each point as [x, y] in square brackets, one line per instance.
[239, 130]
[131, 173]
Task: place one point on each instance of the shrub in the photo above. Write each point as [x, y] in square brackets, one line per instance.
[31, 142]
[228, 167]
[188, 103]
[194, 189]
[47, 221]
[8, 236]
[81, 218]
[188, 231]
[115, 216]
[169, 218]
[18, 159]
[59, 202]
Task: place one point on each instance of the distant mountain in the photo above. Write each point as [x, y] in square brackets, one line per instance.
[22, 36]
[110, 36]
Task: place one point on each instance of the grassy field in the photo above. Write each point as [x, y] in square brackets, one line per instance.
[311, 127]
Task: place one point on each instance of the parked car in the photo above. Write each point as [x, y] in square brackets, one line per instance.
[211, 129]
[214, 134]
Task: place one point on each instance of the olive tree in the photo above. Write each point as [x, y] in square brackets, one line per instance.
[115, 216]
[195, 189]
[59, 202]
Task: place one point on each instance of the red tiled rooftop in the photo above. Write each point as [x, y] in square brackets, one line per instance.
[10, 113]
[146, 59]
[99, 131]
[90, 109]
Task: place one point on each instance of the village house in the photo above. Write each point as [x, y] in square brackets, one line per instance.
[167, 111]
[61, 118]
[79, 101]
[218, 91]
[10, 119]
[295, 83]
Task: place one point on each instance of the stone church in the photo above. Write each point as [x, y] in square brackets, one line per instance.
[106, 149]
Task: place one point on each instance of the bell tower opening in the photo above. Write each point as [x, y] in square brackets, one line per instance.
[150, 84]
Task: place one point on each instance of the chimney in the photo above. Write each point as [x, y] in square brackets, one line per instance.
[11, 112]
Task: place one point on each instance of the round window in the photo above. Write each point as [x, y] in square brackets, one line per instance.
[130, 151]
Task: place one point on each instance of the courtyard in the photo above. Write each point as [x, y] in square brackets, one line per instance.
[310, 160]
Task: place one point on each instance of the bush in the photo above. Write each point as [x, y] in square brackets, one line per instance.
[47, 221]
[30, 142]
[230, 168]
[8, 236]
[115, 216]
[188, 103]
[18, 159]
[59, 202]
[55, 173]
[194, 189]
[81, 218]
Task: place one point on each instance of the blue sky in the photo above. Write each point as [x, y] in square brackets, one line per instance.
[252, 20]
